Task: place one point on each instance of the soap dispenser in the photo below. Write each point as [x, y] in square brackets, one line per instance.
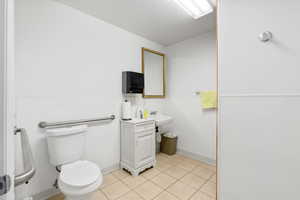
[139, 113]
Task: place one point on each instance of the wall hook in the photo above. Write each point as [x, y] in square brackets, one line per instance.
[265, 36]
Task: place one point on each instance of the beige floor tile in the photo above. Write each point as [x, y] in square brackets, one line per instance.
[188, 166]
[120, 174]
[203, 172]
[213, 179]
[150, 173]
[193, 180]
[115, 190]
[169, 157]
[57, 197]
[181, 191]
[165, 196]
[176, 172]
[163, 158]
[133, 181]
[148, 190]
[161, 161]
[179, 157]
[130, 196]
[205, 165]
[201, 196]
[98, 195]
[163, 155]
[163, 180]
[212, 167]
[108, 180]
[162, 165]
[192, 161]
[176, 158]
[174, 161]
[209, 188]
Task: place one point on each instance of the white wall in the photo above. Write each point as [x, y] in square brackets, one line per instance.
[68, 66]
[191, 68]
[259, 100]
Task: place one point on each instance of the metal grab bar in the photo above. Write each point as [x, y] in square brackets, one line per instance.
[74, 122]
[27, 159]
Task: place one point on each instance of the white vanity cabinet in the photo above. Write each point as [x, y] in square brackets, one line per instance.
[137, 145]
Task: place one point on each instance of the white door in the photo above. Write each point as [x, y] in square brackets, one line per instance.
[6, 99]
[259, 88]
[145, 147]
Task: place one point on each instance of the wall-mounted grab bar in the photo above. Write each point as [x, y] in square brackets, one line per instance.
[29, 169]
[74, 122]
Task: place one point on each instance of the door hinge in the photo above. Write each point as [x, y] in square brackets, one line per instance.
[5, 183]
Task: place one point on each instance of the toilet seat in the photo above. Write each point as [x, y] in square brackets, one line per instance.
[80, 174]
[81, 193]
[79, 180]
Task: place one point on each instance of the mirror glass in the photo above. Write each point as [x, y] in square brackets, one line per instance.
[153, 64]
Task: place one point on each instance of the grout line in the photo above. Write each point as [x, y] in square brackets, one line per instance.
[165, 189]
[205, 184]
[105, 195]
[178, 180]
[194, 193]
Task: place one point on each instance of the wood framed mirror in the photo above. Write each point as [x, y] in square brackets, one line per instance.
[153, 68]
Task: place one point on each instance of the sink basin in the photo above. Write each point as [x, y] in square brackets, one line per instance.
[161, 119]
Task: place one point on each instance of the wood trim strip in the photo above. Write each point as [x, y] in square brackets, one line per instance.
[164, 72]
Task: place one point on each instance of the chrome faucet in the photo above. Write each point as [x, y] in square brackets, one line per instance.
[153, 112]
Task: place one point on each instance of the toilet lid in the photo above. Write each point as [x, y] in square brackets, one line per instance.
[79, 173]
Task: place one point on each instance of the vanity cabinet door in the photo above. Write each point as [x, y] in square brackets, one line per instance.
[144, 148]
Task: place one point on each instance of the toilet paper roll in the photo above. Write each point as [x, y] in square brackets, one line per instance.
[126, 110]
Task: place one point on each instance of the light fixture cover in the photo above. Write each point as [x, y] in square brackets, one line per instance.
[195, 8]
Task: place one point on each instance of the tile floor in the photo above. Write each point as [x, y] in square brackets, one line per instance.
[173, 178]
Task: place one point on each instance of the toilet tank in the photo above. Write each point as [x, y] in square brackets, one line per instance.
[66, 145]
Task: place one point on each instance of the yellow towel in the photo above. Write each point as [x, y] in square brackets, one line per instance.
[209, 99]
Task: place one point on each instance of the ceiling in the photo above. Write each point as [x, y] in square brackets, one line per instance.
[161, 21]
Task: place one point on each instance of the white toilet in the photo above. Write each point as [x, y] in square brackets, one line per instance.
[78, 178]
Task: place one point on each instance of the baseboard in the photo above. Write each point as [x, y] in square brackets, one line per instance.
[114, 167]
[196, 156]
[53, 191]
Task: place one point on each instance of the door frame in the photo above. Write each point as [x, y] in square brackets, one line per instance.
[218, 104]
[7, 103]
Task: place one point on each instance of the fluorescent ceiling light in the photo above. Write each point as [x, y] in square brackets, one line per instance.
[195, 8]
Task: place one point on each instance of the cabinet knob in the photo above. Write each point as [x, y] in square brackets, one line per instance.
[265, 36]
